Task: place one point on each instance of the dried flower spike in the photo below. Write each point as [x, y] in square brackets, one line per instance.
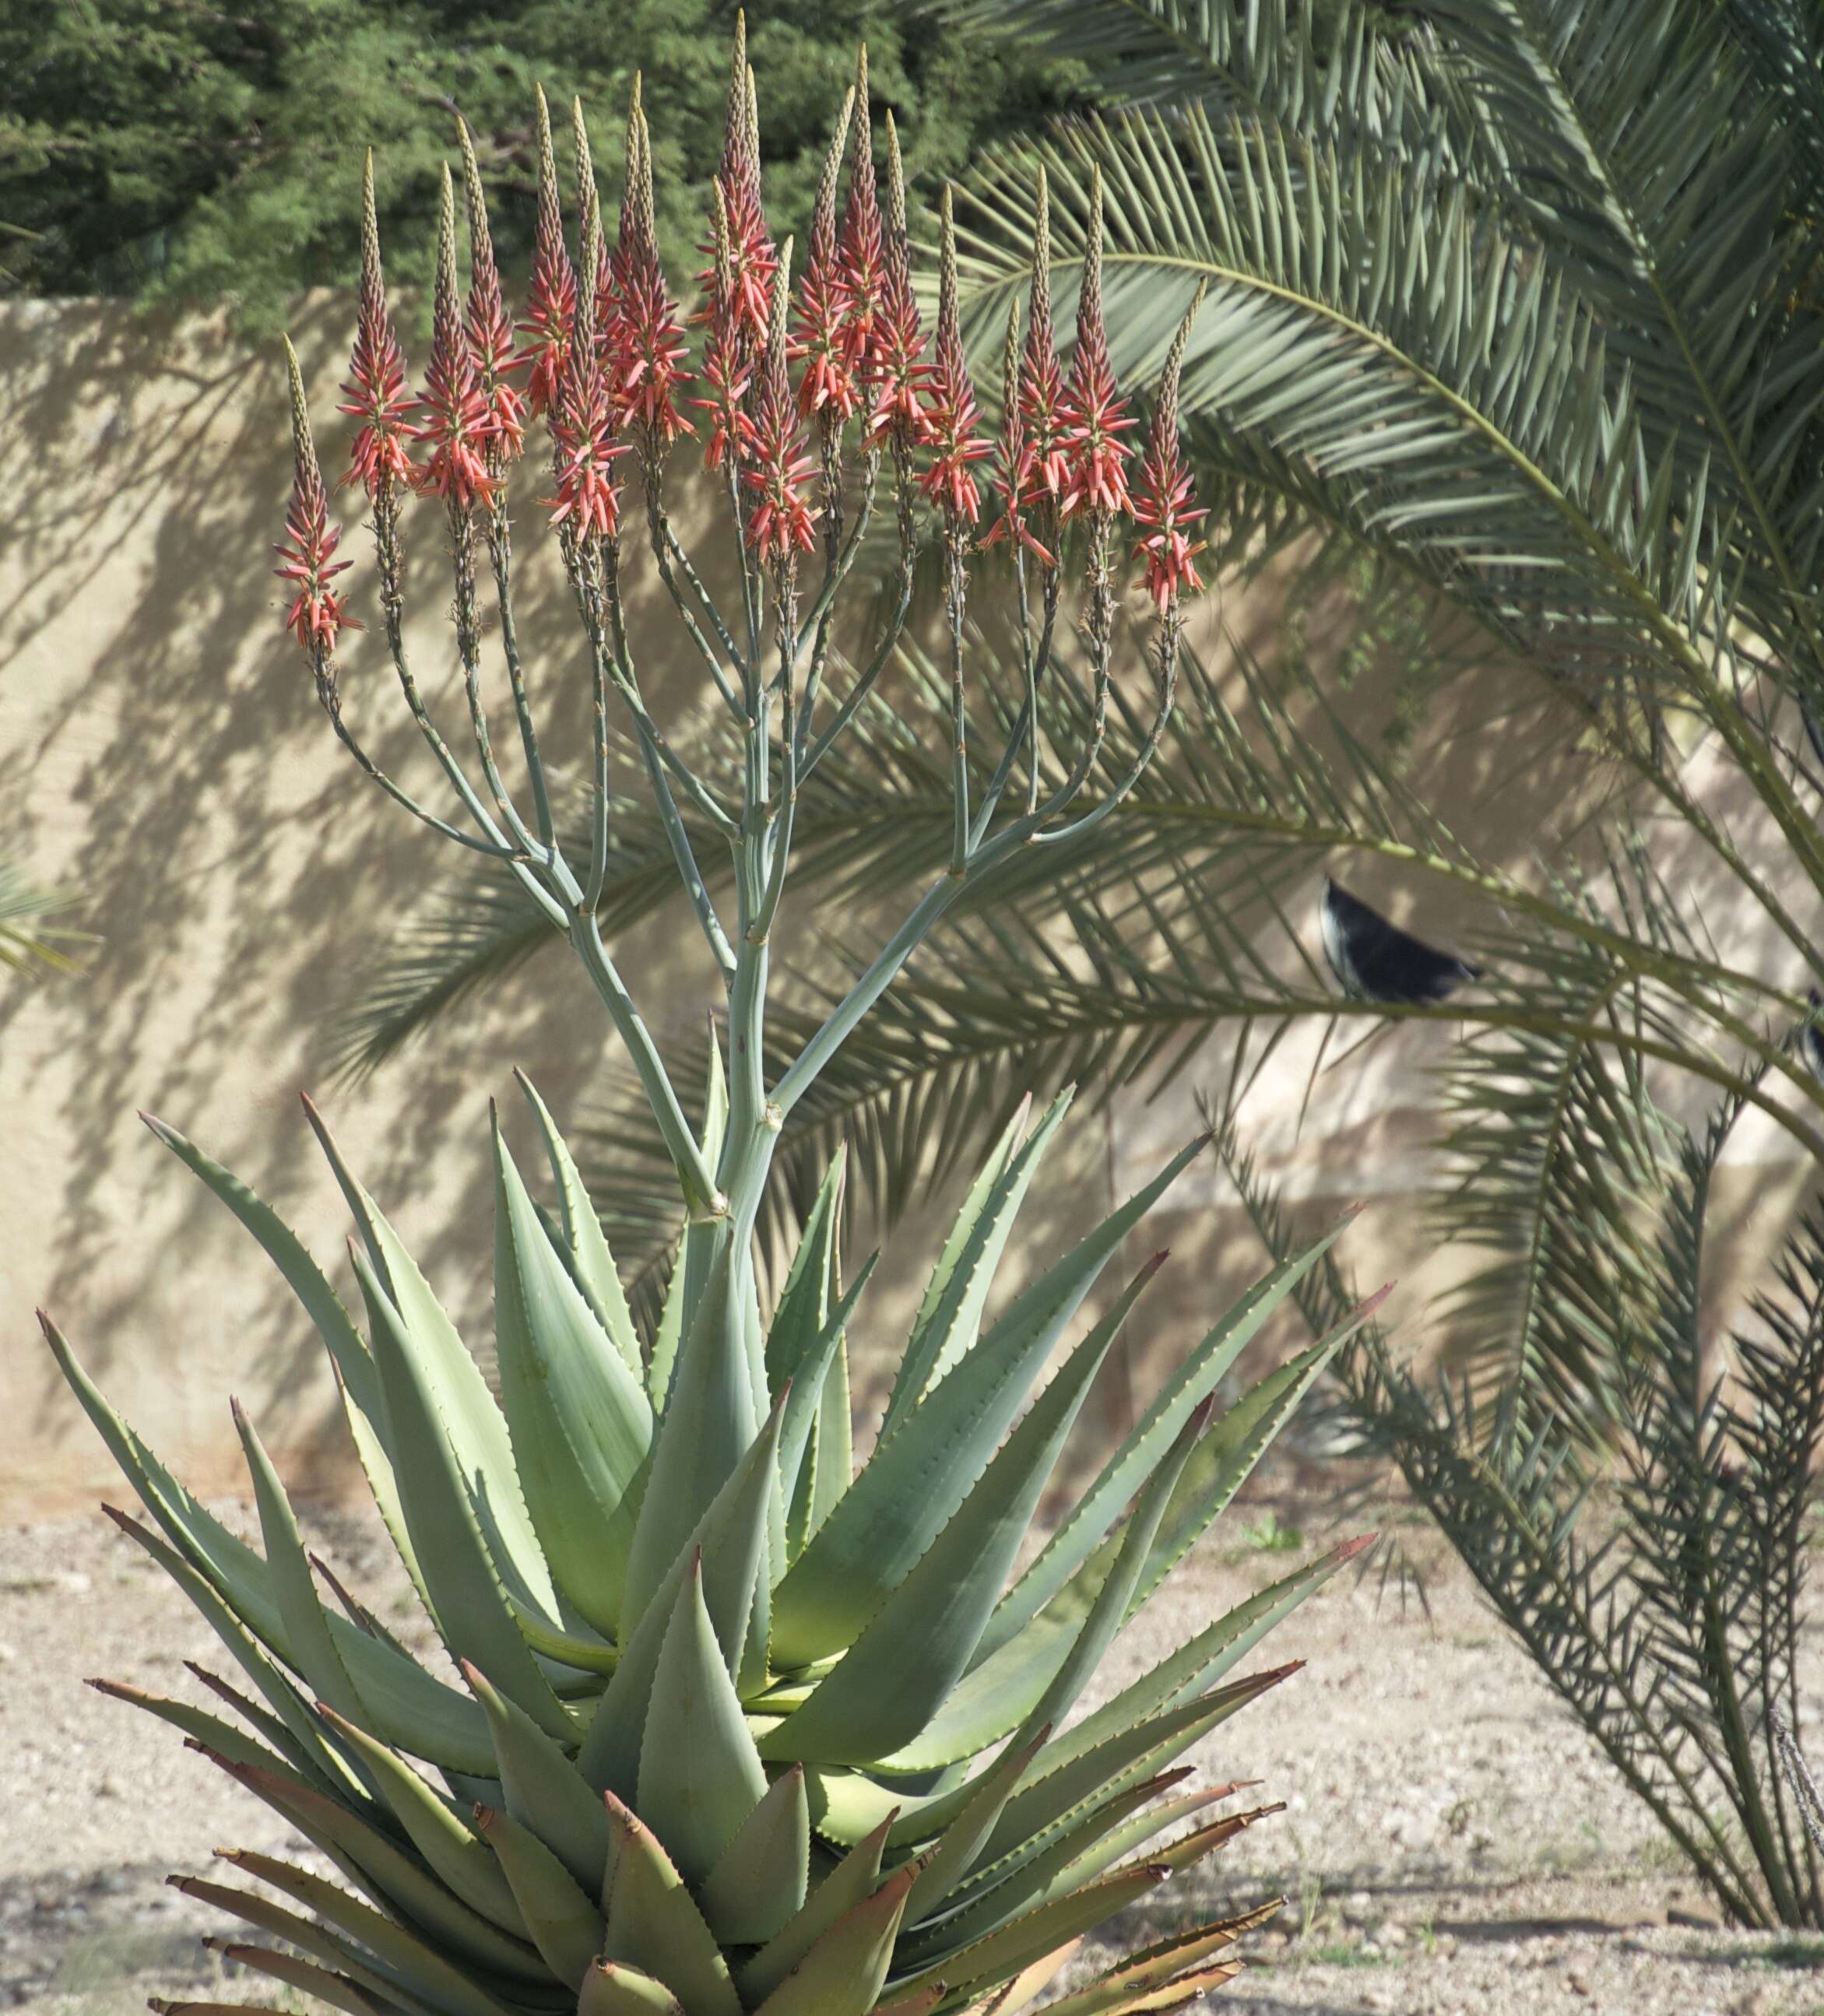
[460, 428]
[551, 299]
[950, 413]
[317, 614]
[489, 332]
[777, 469]
[375, 385]
[1163, 500]
[1092, 413]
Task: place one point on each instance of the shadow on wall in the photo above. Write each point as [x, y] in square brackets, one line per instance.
[162, 752]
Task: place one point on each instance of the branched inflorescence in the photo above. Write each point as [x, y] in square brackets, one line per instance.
[800, 393]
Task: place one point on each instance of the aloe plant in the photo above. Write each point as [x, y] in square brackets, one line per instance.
[741, 1726]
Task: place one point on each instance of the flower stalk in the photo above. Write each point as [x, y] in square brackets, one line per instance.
[801, 395]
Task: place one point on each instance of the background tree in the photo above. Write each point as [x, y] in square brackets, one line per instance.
[198, 154]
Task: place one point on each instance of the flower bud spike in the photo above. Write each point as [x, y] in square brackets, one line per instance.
[899, 242]
[643, 345]
[735, 125]
[828, 388]
[376, 384]
[307, 553]
[726, 370]
[776, 467]
[490, 334]
[950, 411]
[1164, 503]
[895, 374]
[459, 427]
[863, 253]
[551, 301]
[1093, 414]
[1014, 478]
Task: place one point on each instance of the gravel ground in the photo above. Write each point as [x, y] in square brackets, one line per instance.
[1449, 1845]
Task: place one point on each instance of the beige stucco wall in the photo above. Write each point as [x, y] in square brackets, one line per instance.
[160, 752]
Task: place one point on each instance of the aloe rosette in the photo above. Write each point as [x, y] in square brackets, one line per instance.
[728, 1724]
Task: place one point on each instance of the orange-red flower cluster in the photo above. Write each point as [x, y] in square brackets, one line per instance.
[307, 553]
[823, 342]
[950, 411]
[1092, 416]
[775, 465]
[643, 339]
[1015, 479]
[582, 434]
[376, 384]
[551, 299]
[488, 329]
[460, 428]
[1164, 506]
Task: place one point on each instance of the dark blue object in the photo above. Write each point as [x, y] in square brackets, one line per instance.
[1374, 960]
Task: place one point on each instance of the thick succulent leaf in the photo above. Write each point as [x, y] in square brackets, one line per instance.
[700, 1775]
[692, 1263]
[803, 1307]
[759, 1880]
[1001, 1955]
[589, 1655]
[268, 1725]
[1077, 1777]
[1031, 1981]
[960, 1845]
[1156, 1966]
[1181, 1992]
[309, 1753]
[612, 1987]
[1034, 1680]
[579, 1420]
[709, 1425]
[286, 1251]
[1122, 1475]
[949, 1317]
[473, 1426]
[207, 1731]
[1003, 1891]
[1196, 1666]
[911, 1652]
[307, 1628]
[843, 1973]
[376, 1937]
[590, 1261]
[820, 1388]
[340, 1991]
[730, 1539]
[541, 1788]
[308, 1936]
[1225, 1458]
[405, 1703]
[654, 1925]
[443, 1836]
[468, 1599]
[922, 1472]
[563, 1922]
[853, 1880]
[1133, 1834]
[391, 1878]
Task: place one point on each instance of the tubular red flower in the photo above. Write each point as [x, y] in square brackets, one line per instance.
[582, 432]
[861, 250]
[461, 429]
[821, 339]
[1041, 384]
[551, 299]
[485, 325]
[893, 372]
[740, 299]
[1092, 414]
[775, 466]
[1163, 500]
[727, 363]
[951, 412]
[1015, 482]
[646, 347]
[318, 613]
[376, 384]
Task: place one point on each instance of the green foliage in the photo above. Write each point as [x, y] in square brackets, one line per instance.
[771, 1776]
[196, 155]
[1665, 1614]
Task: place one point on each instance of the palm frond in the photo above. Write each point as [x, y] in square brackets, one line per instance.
[29, 943]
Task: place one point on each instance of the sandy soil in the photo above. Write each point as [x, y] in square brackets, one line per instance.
[1449, 1845]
